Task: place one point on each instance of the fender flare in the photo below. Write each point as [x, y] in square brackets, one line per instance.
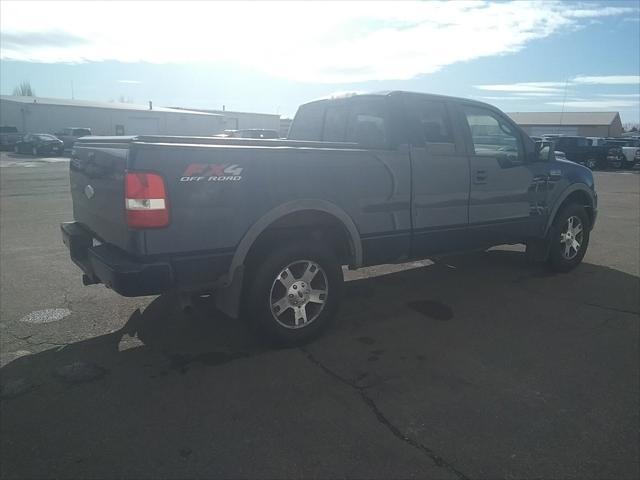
[575, 187]
[285, 209]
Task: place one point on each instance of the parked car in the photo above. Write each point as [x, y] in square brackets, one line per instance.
[39, 144]
[630, 149]
[250, 133]
[581, 150]
[365, 180]
[9, 136]
[70, 135]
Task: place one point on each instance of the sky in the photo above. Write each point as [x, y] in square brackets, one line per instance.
[272, 56]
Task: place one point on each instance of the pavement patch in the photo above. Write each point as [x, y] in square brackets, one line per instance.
[47, 315]
[432, 309]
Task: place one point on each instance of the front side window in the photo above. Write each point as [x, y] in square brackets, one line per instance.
[492, 136]
[366, 124]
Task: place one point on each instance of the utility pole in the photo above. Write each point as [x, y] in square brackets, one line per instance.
[72, 97]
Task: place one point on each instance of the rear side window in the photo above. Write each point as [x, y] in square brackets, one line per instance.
[366, 124]
[335, 123]
[81, 132]
[430, 120]
[307, 124]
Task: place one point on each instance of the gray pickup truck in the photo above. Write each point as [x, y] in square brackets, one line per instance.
[266, 225]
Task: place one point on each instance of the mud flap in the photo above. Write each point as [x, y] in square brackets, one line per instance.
[228, 298]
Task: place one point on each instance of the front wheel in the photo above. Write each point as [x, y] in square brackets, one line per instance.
[569, 237]
[294, 292]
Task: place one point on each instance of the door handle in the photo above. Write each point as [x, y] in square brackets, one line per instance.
[480, 177]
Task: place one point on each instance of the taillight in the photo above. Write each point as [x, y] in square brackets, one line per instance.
[146, 200]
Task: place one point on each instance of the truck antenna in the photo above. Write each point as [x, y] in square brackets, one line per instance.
[564, 99]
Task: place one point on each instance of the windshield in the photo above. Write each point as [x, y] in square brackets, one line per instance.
[45, 136]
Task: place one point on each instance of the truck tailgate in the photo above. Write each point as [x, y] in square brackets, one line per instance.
[97, 190]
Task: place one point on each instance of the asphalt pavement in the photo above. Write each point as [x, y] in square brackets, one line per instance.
[475, 366]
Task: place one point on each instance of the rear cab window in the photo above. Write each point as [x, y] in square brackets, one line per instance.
[367, 122]
[307, 124]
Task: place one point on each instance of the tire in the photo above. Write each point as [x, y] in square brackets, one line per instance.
[275, 298]
[564, 255]
[591, 163]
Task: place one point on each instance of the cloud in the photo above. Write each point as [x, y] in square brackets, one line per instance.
[608, 80]
[529, 87]
[502, 98]
[25, 41]
[132, 82]
[332, 42]
[598, 104]
[540, 89]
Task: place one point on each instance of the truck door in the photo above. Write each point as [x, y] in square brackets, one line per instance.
[507, 195]
[440, 178]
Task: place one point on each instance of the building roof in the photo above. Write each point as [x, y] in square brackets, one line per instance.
[91, 104]
[563, 118]
[229, 112]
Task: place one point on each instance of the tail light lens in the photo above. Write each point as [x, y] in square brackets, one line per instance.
[146, 200]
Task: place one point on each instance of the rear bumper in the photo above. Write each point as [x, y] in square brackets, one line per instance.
[132, 277]
[112, 267]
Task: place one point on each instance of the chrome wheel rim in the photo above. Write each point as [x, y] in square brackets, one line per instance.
[298, 294]
[571, 237]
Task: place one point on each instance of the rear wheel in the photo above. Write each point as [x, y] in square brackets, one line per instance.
[294, 293]
[569, 237]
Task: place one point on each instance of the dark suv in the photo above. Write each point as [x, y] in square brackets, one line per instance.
[581, 150]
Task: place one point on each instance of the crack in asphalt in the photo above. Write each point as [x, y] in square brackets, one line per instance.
[26, 340]
[371, 404]
[521, 284]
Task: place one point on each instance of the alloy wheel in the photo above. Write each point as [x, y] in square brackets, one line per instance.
[298, 294]
[572, 237]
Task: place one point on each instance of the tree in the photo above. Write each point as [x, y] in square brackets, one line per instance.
[24, 90]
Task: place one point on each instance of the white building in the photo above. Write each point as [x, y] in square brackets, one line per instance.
[244, 120]
[50, 115]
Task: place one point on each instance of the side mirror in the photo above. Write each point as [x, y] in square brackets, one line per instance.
[543, 152]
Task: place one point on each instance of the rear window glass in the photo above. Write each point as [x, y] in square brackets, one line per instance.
[307, 124]
[366, 124]
[335, 123]
[82, 132]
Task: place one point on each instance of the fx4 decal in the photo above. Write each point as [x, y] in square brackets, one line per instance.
[209, 172]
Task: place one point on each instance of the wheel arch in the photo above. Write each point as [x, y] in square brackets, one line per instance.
[577, 193]
[287, 210]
